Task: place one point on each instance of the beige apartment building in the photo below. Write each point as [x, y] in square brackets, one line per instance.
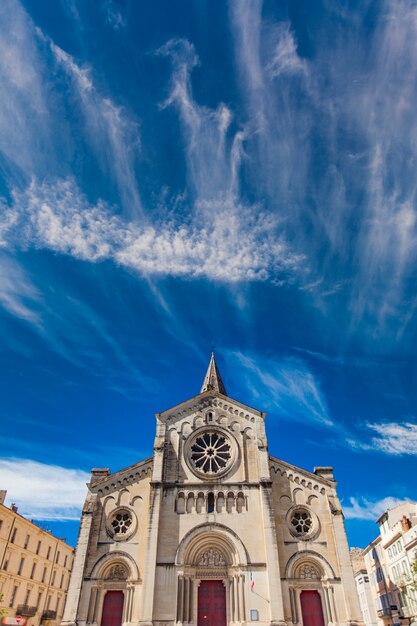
[212, 530]
[363, 587]
[389, 559]
[35, 568]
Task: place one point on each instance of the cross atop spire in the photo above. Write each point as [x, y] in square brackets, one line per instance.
[213, 380]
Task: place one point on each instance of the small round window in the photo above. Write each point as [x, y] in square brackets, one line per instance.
[302, 523]
[121, 524]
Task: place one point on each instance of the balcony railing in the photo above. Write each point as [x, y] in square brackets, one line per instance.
[384, 612]
[26, 610]
[49, 614]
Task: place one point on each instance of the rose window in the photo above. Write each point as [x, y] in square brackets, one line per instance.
[121, 522]
[211, 452]
[301, 522]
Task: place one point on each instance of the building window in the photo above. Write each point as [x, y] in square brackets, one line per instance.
[27, 597]
[38, 547]
[49, 552]
[65, 560]
[26, 541]
[301, 522]
[57, 557]
[38, 602]
[210, 503]
[210, 453]
[22, 561]
[53, 577]
[378, 575]
[45, 569]
[62, 581]
[13, 538]
[121, 524]
[13, 596]
[32, 573]
[1, 524]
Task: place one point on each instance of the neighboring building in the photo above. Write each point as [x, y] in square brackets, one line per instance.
[389, 560]
[35, 568]
[212, 530]
[363, 587]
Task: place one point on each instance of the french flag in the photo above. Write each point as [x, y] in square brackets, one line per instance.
[252, 582]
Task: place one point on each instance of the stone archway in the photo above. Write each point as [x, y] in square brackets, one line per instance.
[311, 589]
[112, 590]
[211, 561]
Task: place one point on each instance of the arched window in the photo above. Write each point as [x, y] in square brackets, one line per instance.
[210, 503]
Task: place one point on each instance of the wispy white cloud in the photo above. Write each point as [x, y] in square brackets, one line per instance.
[44, 492]
[285, 59]
[364, 509]
[394, 438]
[291, 388]
[17, 293]
[212, 155]
[236, 247]
[113, 15]
[36, 137]
[25, 122]
[112, 131]
[357, 218]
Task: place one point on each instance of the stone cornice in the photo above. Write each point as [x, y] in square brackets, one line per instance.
[301, 476]
[123, 478]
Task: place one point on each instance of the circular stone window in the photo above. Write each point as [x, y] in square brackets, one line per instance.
[301, 523]
[210, 452]
[121, 524]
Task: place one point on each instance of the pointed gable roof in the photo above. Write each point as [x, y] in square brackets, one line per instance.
[213, 380]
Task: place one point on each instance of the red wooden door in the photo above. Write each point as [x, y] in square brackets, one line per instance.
[112, 608]
[311, 608]
[211, 603]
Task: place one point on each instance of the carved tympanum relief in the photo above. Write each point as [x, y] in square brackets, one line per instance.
[212, 558]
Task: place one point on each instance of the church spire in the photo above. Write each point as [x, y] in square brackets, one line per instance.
[213, 380]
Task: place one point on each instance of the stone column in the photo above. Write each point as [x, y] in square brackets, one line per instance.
[180, 597]
[236, 598]
[92, 605]
[148, 591]
[327, 604]
[351, 612]
[241, 580]
[231, 600]
[271, 550]
[74, 590]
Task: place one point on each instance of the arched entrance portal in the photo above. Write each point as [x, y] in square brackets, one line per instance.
[311, 608]
[112, 608]
[211, 564]
[211, 603]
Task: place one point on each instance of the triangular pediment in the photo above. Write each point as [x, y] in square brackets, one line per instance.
[205, 400]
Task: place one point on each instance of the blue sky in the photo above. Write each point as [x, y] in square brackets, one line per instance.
[178, 174]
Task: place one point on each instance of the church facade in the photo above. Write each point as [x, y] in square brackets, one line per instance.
[212, 530]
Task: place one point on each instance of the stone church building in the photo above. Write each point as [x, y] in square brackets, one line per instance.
[212, 530]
